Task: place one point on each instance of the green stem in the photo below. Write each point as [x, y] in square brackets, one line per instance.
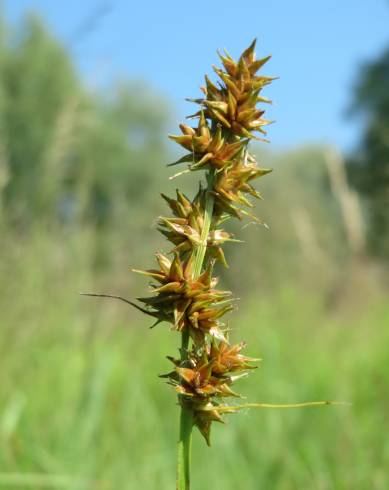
[208, 212]
[186, 417]
[186, 424]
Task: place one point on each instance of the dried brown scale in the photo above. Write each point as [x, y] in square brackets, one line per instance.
[233, 103]
[233, 183]
[187, 303]
[205, 377]
[184, 229]
[206, 148]
[227, 358]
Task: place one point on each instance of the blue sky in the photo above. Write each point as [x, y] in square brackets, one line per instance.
[317, 47]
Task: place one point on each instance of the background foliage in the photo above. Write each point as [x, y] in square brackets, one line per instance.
[80, 403]
[369, 166]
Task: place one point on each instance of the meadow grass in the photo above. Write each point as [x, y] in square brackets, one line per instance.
[81, 405]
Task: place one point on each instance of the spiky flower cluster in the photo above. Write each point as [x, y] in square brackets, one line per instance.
[184, 289]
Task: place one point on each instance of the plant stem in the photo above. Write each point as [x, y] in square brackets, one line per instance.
[208, 212]
[186, 416]
[186, 424]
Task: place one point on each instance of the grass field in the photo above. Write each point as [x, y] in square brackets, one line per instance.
[81, 405]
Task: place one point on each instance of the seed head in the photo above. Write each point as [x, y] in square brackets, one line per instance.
[183, 287]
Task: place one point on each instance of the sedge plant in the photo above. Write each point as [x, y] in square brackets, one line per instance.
[184, 290]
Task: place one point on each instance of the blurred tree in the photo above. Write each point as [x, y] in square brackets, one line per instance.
[369, 166]
[68, 155]
[3, 155]
[37, 81]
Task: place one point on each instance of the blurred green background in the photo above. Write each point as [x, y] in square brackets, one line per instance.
[80, 402]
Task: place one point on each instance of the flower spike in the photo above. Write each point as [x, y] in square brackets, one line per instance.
[183, 289]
